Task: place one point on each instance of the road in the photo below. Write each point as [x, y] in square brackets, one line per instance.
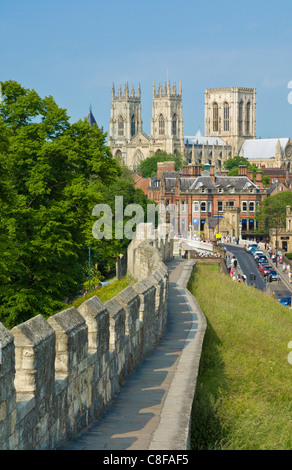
[248, 265]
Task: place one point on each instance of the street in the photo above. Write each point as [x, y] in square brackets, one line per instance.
[247, 265]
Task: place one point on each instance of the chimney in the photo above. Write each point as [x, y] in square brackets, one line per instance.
[250, 175]
[212, 173]
[198, 170]
[242, 170]
[259, 179]
[164, 166]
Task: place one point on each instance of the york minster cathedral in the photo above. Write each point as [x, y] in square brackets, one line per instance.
[230, 128]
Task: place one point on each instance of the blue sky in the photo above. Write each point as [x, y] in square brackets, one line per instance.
[74, 50]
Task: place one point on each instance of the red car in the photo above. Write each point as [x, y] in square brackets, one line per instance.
[266, 270]
[262, 266]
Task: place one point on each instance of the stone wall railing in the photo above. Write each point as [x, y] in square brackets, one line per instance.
[58, 375]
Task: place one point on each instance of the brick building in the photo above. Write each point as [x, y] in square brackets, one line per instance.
[201, 200]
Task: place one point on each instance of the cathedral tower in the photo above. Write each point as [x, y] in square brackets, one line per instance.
[230, 113]
[167, 130]
[126, 120]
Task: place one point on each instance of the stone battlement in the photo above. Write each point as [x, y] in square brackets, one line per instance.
[58, 375]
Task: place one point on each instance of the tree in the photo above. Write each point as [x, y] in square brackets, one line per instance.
[148, 167]
[272, 211]
[51, 174]
[232, 165]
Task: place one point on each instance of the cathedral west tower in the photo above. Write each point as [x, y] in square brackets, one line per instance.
[127, 139]
[230, 113]
[167, 129]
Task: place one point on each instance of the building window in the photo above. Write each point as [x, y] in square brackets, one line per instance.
[226, 117]
[203, 206]
[133, 126]
[251, 206]
[219, 206]
[209, 206]
[174, 124]
[161, 125]
[240, 109]
[120, 126]
[244, 206]
[183, 206]
[251, 224]
[248, 118]
[215, 117]
[196, 206]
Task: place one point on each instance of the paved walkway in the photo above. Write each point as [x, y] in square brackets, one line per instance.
[152, 410]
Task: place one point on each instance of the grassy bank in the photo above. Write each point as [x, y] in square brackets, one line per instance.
[105, 293]
[244, 392]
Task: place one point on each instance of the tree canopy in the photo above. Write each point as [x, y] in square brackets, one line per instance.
[232, 165]
[272, 211]
[148, 167]
[52, 174]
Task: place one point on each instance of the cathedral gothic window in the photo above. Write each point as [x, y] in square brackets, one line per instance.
[248, 118]
[240, 110]
[226, 117]
[174, 124]
[120, 126]
[215, 117]
[133, 126]
[161, 125]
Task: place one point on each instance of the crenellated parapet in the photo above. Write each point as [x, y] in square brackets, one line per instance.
[58, 375]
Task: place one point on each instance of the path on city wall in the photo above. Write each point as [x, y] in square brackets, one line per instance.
[152, 411]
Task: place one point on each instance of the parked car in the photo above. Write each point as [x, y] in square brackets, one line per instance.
[251, 246]
[286, 301]
[257, 253]
[263, 266]
[267, 270]
[261, 260]
[274, 275]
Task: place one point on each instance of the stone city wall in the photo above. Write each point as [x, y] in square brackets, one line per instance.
[58, 375]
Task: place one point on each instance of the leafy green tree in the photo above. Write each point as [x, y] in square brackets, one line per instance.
[51, 174]
[272, 211]
[148, 167]
[232, 165]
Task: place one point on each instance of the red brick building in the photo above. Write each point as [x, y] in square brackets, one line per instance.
[208, 202]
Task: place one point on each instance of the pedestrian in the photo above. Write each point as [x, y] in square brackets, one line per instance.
[235, 262]
[278, 278]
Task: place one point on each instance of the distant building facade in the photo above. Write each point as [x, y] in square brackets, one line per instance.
[281, 239]
[230, 113]
[269, 153]
[126, 137]
[207, 202]
[230, 129]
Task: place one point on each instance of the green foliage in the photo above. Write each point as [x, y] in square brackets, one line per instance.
[52, 174]
[105, 293]
[272, 210]
[288, 255]
[148, 167]
[232, 165]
